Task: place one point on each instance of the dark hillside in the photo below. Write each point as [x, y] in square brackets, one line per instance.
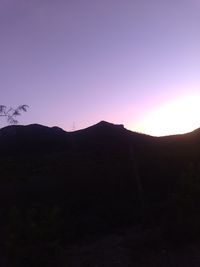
[99, 179]
[32, 139]
[104, 157]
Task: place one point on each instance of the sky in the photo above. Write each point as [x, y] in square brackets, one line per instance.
[77, 62]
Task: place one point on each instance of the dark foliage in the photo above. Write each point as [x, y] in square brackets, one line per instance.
[12, 113]
[58, 188]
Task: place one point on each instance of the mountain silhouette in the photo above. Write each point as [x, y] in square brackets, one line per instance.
[60, 190]
[34, 138]
[101, 176]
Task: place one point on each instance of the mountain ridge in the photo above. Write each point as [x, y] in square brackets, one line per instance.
[101, 177]
[102, 125]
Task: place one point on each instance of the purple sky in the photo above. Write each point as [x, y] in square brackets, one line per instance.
[76, 62]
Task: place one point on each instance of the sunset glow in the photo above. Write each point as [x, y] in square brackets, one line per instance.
[75, 63]
[177, 116]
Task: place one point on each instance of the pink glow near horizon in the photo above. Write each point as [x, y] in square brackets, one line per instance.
[123, 61]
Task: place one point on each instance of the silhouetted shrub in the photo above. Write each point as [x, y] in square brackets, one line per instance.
[33, 237]
[182, 220]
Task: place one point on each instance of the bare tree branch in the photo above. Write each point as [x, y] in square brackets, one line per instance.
[11, 113]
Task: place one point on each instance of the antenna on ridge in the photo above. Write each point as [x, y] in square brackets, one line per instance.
[73, 126]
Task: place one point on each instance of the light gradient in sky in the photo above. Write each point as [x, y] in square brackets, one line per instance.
[76, 62]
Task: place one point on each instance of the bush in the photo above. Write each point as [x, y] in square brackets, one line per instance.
[182, 220]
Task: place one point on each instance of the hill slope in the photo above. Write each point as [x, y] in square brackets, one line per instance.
[60, 187]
